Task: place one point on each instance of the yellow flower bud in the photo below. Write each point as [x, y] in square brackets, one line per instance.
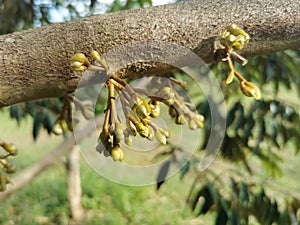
[193, 125]
[64, 125]
[10, 148]
[234, 37]
[117, 154]
[95, 55]
[250, 90]
[141, 111]
[57, 129]
[128, 140]
[160, 137]
[132, 128]
[164, 132]
[172, 111]
[150, 134]
[142, 129]
[180, 119]
[120, 132]
[141, 108]
[81, 58]
[230, 77]
[9, 168]
[79, 62]
[231, 38]
[155, 109]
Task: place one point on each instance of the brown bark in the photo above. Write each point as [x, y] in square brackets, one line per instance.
[35, 63]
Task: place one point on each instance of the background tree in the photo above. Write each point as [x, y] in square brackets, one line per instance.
[255, 129]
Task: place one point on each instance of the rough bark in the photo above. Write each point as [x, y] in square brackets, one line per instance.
[35, 63]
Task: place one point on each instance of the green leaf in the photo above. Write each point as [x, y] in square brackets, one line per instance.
[244, 193]
[222, 217]
[284, 217]
[48, 122]
[232, 218]
[15, 112]
[37, 124]
[162, 174]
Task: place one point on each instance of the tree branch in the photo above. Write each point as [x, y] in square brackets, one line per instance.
[28, 174]
[35, 63]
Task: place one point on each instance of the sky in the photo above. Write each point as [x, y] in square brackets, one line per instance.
[59, 15]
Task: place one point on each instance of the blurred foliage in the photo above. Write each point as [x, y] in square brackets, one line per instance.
[254, 128]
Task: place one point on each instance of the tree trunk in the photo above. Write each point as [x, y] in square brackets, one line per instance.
[74, 184]
[35, 62]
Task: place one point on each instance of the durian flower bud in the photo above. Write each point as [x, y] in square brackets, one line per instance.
[250, 90]
[117, 154]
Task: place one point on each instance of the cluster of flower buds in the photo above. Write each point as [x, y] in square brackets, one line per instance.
[139, 107]
[5, 166]
[234, 38]
[63, 122]
[182, 112]
[11, 150]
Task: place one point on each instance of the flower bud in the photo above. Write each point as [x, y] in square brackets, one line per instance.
[95, 55]
[164, 132]
[150, 134]
[10, 148]
[70, 124]
[193, 125]
[160, 137]
[117, 154]
[120, 132]
[141, 108]
[103, 63]
[172, 111]
[57, 129]
[230, 77]
[231, 38]
[79, 62]
[169, 102]
[180, 119]
[64, 125]
[9, 168]
[132, 128]
[167, 91]
[250, 90]
[155, 109]
[141, 111]
[142, 129]
[128, 140]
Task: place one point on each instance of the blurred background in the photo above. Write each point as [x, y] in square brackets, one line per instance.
[254, 180]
